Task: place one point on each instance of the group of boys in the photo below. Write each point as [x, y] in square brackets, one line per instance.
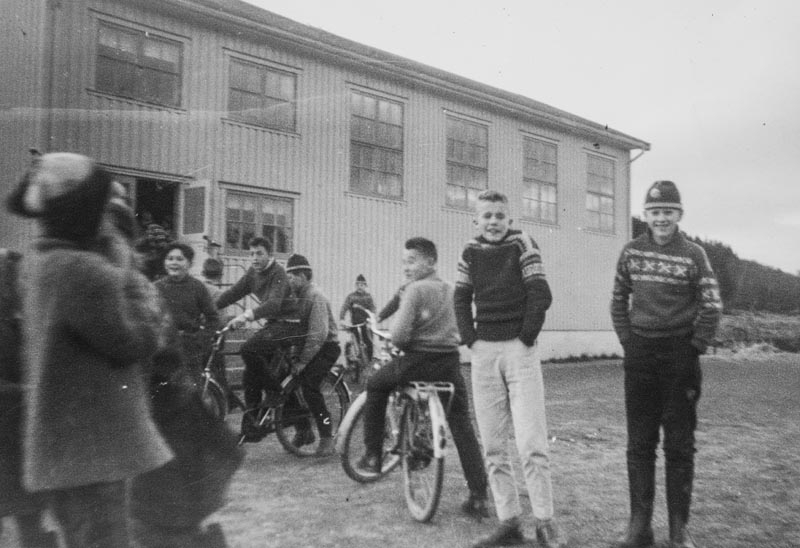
[665, 309]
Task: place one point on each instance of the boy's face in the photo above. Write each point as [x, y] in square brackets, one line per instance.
[176, 264]
[663, 222]
[361, 287]
[296, 280]
[259, 257]
[416, 265]
[492, 220]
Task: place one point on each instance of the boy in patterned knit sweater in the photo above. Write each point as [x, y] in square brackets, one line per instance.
[665, 308]
[500, 271]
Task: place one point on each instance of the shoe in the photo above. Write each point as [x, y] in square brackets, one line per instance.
[509, 533]
[326, 447]
[475, 507]
[303, 437]
[547, 535]
[251, 432]
[369, 464]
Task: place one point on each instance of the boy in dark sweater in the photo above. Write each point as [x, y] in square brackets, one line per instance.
[425, 330]
[189, 304]
[500, 271]
[665, 308]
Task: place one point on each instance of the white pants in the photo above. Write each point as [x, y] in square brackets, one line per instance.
[508, 394]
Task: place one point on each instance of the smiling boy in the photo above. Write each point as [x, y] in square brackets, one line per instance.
[500, 272]
[665, 309]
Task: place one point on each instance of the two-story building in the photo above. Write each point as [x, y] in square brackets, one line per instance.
[224, 120]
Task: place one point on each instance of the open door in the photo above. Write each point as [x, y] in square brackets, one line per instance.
[193, 219]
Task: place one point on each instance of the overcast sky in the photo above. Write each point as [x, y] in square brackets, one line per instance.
[713, 86]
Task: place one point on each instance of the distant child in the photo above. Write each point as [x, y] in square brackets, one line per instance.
[665, 308]
[359, 298]
[500, 271]
[212, 277]
[425, 330]
[189, 304]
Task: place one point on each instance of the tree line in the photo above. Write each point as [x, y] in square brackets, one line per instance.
[745, 284]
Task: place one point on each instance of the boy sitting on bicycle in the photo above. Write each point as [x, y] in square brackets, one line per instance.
[320, 350]
[425, 330]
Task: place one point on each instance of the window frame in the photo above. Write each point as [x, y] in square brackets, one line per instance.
[601, 186]
[260, 199]
[140, 64]
[378, 157]
[539, 182]
[456, 162]
[265, 71]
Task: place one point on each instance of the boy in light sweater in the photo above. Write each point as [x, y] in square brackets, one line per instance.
[425, 330]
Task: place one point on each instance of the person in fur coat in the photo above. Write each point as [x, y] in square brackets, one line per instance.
[89, 324]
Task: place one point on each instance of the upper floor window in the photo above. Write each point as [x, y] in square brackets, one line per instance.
[248, 215]
[539, 184]
[139, 65]
[467, 162]
[262, 96]
[376, 146]
[600, 193]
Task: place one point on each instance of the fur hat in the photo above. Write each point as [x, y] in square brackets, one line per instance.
[297, 262]
[663, 194]
[67, 192]
[361, 278]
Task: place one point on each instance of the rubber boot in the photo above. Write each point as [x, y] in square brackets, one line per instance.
[679, 499]
[641, 489]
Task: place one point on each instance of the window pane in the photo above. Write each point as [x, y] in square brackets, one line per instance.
[376, 159]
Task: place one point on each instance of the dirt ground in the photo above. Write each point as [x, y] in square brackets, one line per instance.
[747, 491]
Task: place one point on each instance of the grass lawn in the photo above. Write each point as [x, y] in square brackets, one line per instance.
[747, 490]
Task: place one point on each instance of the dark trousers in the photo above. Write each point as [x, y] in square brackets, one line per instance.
[257, 353]
[662, 388]
[311, 378]
[429, 367]
[365, 335]
[93, 516]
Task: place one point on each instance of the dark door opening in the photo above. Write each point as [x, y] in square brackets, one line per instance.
[155, 203]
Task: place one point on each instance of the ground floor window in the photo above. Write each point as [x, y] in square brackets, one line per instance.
[249, 214]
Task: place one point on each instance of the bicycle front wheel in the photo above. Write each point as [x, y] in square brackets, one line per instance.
[423, 470]
[295, 425]
[351, 441]
[214, 398]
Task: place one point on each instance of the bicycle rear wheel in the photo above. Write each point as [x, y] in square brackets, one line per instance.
[423, 471]
[214, 398]
[295, 425]
[351, 441]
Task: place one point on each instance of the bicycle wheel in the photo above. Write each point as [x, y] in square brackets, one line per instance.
[423, 471]
[351, 441]
[214, 398]
[295, 426]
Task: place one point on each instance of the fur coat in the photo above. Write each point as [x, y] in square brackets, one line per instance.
[89, 324]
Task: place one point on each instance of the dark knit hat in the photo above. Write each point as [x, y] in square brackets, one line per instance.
[663, 194]
[297, 262]
[67, 192]
[212, 267]
[361, 278]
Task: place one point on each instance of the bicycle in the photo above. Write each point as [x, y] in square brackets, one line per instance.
[355, 352]
[274, 415]
[213, 395]
[415, 438]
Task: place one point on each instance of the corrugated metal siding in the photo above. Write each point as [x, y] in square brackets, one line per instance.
[341, 233]
[23, 50]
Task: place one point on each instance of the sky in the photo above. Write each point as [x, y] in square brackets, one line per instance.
[713, 86]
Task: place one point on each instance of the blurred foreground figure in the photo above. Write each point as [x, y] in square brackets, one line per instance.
[89, 323]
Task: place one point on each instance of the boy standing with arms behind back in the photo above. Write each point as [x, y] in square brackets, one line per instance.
[665, 308]
[501, 272]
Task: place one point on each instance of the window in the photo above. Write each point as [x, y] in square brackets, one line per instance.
[262, 96]
[139, 65]
[539, 181]
[600, 193]
[467, 162]
[376, 146]
[248, 215]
